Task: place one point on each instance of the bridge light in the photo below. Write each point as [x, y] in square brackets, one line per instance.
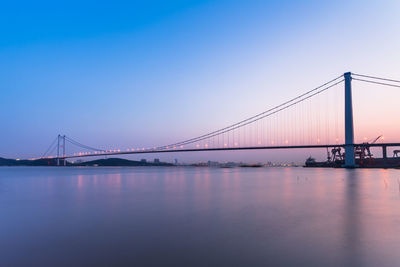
[181, 146]
[197, 145]
[236, 144]
[273, 142]
[259, 142]
[206, 145]
[337, 139]
[288, 141]
[318, 140]
[225, 145]
[383, 138]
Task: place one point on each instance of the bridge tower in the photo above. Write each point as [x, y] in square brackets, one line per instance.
[62, 137]
[349, 161]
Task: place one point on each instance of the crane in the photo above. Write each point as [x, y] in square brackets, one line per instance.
[363, 150]
[376, 139]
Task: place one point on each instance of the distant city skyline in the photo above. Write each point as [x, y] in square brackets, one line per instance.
[154, 73]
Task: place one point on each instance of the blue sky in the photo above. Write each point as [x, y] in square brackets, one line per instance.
[153, 72]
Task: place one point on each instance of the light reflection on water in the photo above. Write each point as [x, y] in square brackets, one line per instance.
[199, 217]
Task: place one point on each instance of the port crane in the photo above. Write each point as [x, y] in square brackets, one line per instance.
[361, 152]
[336, 154]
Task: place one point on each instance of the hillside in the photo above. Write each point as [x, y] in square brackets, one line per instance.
[120, 162]
[98, 162]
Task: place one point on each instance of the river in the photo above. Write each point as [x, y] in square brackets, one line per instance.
[176, 216]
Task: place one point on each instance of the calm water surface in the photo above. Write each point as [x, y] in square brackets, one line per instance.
[199, 217]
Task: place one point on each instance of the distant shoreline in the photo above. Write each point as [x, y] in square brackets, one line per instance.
[118, 162]
[110, 162]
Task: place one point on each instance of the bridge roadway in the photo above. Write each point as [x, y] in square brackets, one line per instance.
[154, 151]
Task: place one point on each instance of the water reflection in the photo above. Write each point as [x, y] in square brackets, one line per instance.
[352, 228]
[80, 182]
[199, 216]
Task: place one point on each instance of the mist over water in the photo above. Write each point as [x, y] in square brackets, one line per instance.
[199, 216]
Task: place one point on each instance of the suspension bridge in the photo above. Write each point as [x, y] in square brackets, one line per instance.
[318, 118]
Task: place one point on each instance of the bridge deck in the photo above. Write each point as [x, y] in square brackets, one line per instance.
[223, 149]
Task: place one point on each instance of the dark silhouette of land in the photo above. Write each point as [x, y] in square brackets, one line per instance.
[98, 162]
[120, 162]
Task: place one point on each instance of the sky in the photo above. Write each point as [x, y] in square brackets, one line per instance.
[144, 73]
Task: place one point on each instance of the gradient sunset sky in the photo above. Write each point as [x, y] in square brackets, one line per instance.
[120, 74]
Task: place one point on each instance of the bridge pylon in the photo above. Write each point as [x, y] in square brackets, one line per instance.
[349, 160]
[59, 145]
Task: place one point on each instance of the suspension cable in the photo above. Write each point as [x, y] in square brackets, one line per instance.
[82, 145]
[380, 83]
[48, 149]
[53, 150]
[233, 126]
[259, 118]
[377, 78]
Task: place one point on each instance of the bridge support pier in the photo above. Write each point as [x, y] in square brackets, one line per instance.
[63, 149]
[384, 152]
[349, 161]
[65, 163]
[58, 150]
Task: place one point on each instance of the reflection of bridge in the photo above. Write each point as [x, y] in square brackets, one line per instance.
[297, 123]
